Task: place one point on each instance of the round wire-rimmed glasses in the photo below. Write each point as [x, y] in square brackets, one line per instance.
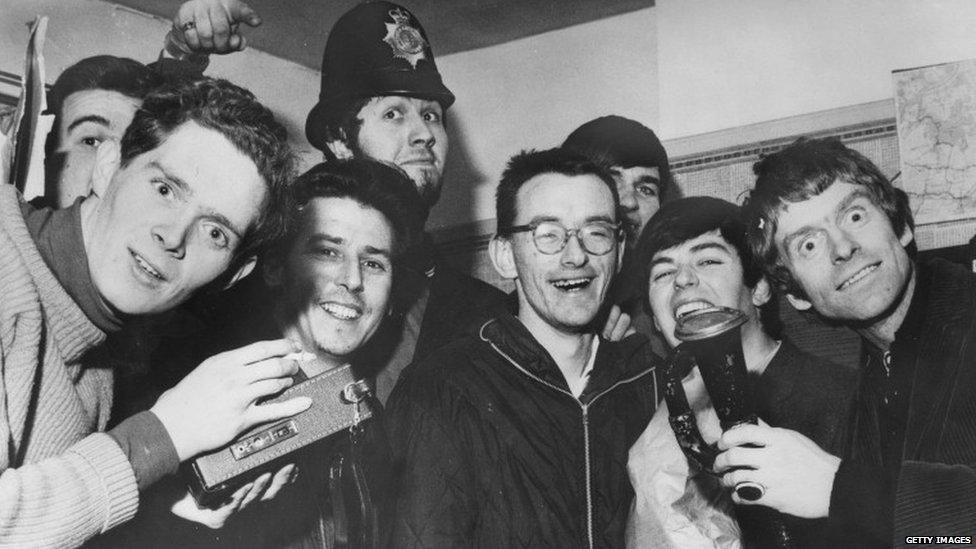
[550, 237]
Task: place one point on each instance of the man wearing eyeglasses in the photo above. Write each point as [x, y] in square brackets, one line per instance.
[518, 436]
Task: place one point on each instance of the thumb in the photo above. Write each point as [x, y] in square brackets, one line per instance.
[240, 11]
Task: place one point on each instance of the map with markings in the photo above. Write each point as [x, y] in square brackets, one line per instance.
[936, 120]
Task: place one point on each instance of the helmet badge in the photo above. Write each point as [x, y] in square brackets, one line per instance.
[406, 41]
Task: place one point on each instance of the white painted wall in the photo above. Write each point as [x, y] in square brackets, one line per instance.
[532, 93]
[726, 64]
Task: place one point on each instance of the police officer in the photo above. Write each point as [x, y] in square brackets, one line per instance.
[382, 97]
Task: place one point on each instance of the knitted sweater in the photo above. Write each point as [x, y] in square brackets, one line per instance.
[61, 482]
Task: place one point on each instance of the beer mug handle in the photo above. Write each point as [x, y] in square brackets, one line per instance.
[680, 416]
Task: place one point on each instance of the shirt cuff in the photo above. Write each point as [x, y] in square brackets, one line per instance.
[862, 498]
[148, 446]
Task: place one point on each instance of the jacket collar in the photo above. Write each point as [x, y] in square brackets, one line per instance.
[615, 361]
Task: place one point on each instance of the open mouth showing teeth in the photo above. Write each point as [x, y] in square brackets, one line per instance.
[691, 308]
[859, 275]
[341, 312]
[572, 284]
[146, 267]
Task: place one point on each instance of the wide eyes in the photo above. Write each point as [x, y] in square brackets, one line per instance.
[856, 216]
[163, 188]
[432, 116]
[216, 236]
[395, 114]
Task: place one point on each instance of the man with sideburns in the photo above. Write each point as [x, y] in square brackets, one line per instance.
[833, 232]
[184, 202]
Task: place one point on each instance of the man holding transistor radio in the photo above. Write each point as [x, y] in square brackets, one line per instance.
[331, 280]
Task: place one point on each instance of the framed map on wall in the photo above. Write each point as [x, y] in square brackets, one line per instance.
[936, 119]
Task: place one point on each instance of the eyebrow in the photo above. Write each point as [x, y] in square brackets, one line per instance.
[325, 237]
[696, 248]
[710, 246]
[185, 188]
[844, 204]
[88, 118]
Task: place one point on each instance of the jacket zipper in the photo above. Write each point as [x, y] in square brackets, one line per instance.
[586, 425]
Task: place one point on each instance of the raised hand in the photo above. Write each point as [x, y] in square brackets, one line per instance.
[212, 26]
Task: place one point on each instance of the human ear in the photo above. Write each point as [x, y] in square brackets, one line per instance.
[906, 236]
[798, 303]
[108, 158]
[762, 293]
[502, 257]
[243, 271]
[339, 148]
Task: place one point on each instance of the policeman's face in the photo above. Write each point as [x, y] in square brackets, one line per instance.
[841, 249]
[171, 220]
[337, 276]
[563, 290]
[639, 188]
[88, 118]
[410, 133]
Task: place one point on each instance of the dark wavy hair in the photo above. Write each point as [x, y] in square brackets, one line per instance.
[101, 72]
[383, 187]
[687, 218]
[799, 172]
[233, 112]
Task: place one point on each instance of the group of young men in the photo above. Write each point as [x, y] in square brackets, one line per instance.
[525, 420]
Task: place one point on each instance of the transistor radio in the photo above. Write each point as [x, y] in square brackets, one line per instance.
[339, 402]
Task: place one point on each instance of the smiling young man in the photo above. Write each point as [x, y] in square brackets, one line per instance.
[382, 97]
[518, 436]
[833, 232]
[694, 256]
[185, 201]
[639, 164]
[331, 280]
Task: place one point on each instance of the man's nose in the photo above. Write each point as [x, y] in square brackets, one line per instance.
[685, 277]
[351, 277]
[628, 198]
[573, 255]
[171, 236]
[420, 133]
[842, 246]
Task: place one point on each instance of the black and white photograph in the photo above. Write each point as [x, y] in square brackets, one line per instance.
[316, 274]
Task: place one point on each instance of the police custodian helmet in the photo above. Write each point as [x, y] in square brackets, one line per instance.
[375, 49]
